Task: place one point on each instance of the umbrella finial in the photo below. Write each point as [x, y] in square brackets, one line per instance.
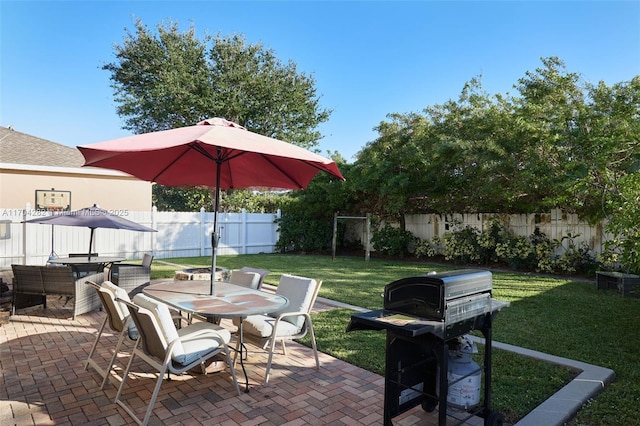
[218, 121]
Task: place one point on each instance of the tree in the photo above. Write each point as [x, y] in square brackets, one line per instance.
[172, 79]
[611, 177]
[307, 216]
[389, 171]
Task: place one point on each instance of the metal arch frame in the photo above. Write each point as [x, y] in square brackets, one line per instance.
[367, 219]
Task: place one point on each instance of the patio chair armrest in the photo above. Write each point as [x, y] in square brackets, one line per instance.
[279, 318]
[291, 314]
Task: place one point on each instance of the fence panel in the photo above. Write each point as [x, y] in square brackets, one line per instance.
[555, 225]
[180, 234]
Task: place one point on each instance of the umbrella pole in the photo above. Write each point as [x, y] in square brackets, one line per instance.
[214, 246]
[53, 253]
[90, 243]
[214, 235]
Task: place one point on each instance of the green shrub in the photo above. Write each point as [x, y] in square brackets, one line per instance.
[428, 248]
[392, 241]
[518, 252]
[611, 256]
[576, 258]
[496, 245]
[489, 240]
[300, 233]
[462, 246]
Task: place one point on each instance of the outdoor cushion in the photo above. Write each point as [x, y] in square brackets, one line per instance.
[245, 278]
[185, 350]
[299, 293]
[199, 346]
[167, 328]
[197, 326]
[119, 293]
[262, 325]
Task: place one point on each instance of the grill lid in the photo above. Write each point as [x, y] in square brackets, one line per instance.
[427, 296]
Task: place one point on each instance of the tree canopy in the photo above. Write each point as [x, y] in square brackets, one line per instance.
[561, 143]
[168, 79]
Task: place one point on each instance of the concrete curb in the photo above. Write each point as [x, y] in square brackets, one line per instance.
[566, 402]
[562, 406]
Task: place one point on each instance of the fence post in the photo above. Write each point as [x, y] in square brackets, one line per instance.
[245, 231]
[335, 234]
[367, 253]
[203, 232]
[277, 228]
[154, 213]
[27, 208]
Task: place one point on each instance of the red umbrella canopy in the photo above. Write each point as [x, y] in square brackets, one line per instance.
[188, 156]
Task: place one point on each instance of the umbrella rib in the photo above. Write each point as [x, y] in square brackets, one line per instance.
[164, 169]
[198, 148]
[220, 159]
[284, 172]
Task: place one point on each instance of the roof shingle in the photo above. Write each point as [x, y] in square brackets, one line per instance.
[21, 148]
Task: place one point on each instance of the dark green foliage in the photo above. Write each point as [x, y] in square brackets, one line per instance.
[560, 142]
[496, 246]
[306, 234]
[392, 241]
[166, 79]
[462, 246]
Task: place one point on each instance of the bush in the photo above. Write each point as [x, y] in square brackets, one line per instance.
[517, 252]
[497, 245]
[488, 242]
[462, 246]
[428, 248]
[299, 233]
[577, 258]
[392, 241]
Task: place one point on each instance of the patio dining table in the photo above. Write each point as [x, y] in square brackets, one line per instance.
[81, 262]
[227, 301]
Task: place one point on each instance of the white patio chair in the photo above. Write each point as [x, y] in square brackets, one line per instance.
[293, 322]
[263, 273]
[118, 319]
[244, 278]
[167, 349]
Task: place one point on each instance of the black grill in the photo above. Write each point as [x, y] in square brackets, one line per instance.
[423, 317]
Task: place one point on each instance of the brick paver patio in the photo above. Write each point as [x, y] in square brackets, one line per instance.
[43, 382]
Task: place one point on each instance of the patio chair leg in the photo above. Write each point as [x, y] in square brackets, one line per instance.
[233, 371]
[95, 344]
[115, 354]
[272, 346]
[154, 396]
[124, 380]
[313, 344]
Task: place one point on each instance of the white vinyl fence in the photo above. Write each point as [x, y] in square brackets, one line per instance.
[180, 234]
[185, 234]
[555, 225]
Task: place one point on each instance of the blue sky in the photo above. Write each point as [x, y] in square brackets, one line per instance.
[369, 58]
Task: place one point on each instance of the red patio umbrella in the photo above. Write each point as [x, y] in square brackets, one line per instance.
[215, 153]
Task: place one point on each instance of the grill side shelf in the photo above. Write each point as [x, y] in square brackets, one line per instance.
[397, 322]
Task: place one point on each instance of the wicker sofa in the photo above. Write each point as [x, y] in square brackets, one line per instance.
[33, 283]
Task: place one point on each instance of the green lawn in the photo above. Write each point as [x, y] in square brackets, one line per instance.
[557, 316]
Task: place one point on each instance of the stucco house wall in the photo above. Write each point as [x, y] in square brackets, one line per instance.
[28, 163]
